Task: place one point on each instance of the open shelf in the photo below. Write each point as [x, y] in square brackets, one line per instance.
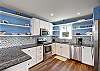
[10, 14]
[80, 21]
[56, 30]
[82, 35]
[83, 28]
[16, 35]
[14, 25]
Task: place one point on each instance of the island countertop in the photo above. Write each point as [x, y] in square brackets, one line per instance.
[11, 56]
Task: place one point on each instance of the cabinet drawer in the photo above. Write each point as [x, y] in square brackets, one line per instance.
[39, 59]
[40, 50]
[31, 63]
[33, 49]
[39, 47]
[40, 53]
[30, 51]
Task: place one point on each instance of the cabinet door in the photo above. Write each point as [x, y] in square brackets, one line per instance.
[42, 24]
[50, 27]
[39, 54]
[46, 26]
[31, 52]
[53, 48]
[31, 63]
[35, 29]
[65, 50]
[87, 55]
[58, 49]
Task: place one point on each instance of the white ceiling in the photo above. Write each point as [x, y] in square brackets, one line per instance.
[62, 9]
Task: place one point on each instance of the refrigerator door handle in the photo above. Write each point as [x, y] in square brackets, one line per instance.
[92, 52]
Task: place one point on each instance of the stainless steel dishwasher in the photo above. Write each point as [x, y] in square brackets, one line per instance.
[76, 52]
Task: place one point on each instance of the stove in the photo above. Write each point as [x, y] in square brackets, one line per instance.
[47, 51]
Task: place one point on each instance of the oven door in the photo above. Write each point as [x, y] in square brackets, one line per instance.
[47, 51]
[47, 48]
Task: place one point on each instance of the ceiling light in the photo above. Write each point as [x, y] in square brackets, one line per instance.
[78, 13]
[51, 14]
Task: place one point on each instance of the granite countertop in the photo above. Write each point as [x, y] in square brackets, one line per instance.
[27, 46]
[62, 42]
[11, 56]
[87, 45]
[14, 55]
[30, 45]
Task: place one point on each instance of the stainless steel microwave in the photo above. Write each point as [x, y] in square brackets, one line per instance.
[44, 32]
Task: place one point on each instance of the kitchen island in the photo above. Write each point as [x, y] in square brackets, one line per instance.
[11, 56]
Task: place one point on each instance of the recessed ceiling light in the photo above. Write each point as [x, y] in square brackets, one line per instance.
[52, 14]
[78, 13]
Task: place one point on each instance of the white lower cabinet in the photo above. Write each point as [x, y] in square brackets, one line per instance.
[39, 54]
[88, 55]
[19, 67]
[58, 49]
[65, 50]
[53, 48]
[36, 53]
[31, 63]
[31, 52]
[61, 49]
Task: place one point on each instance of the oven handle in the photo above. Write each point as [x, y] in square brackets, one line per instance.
[47, 45]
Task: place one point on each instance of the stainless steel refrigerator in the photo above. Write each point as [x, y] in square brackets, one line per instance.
[96, 36]
[97, 45]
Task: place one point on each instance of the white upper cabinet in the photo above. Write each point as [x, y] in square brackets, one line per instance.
[49, 27]
[35, 26]
[46, 25]
[42, 24]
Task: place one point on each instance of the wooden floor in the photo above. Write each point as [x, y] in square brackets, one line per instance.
[53, 64]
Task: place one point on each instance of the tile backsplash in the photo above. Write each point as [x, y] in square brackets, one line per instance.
[10, 41]
[85, 40]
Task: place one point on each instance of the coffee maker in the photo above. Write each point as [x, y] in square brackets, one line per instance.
[79, 41]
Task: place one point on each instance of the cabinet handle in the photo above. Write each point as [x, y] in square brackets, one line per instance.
[92, 53]
[28, 64]
[40, 47]
[28, 50]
